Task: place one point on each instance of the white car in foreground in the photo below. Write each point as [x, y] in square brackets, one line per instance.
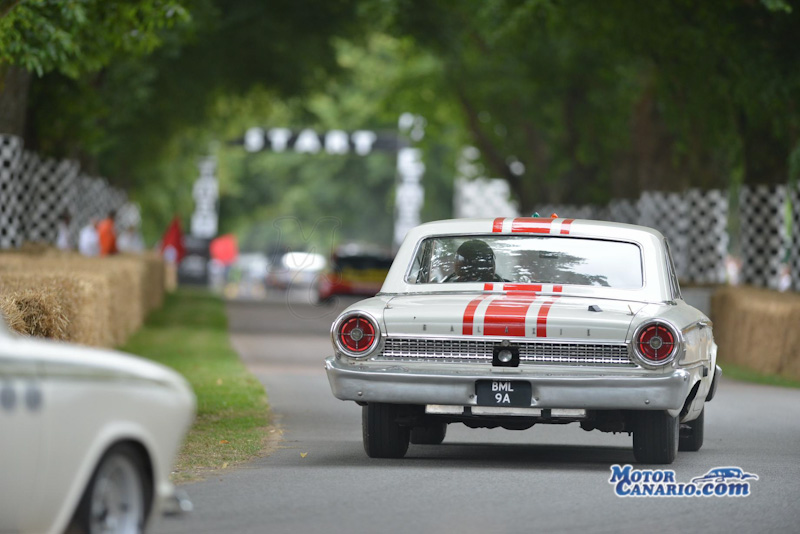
[89, 437]
[515, 322]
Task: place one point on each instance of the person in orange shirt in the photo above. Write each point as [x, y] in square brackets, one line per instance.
[106, 235]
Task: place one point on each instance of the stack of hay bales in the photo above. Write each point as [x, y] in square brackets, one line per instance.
[757, 329]
[92, 301]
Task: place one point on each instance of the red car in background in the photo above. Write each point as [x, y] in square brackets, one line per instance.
[354, 272]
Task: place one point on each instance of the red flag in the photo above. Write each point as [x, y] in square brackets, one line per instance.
[224, 249]
[172, 242]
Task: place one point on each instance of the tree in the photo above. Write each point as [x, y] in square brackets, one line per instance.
[73, 37]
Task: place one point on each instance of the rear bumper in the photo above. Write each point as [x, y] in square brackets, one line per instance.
[606, 391]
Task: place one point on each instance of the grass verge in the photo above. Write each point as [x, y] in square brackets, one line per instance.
[738, 372]
[190, 334]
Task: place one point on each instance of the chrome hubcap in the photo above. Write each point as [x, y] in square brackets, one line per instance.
[117, 505]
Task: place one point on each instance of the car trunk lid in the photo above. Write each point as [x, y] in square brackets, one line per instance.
[510, 315]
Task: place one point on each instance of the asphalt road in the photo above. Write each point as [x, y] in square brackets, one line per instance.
[546, 479]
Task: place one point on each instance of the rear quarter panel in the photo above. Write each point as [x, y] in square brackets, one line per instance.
[84, 417]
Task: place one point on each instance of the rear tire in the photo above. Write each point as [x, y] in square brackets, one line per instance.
[691, 434]
[655, 438]
[432, 434]
[383, 436]
[119, 495]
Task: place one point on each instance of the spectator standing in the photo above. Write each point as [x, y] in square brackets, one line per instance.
[62, 238]
[130, 240]
[107, 235]
[88, 240]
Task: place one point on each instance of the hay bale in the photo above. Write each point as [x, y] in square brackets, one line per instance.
[80, 297]
[756, 328]
[105, 299]
[155, 283]
[37, 312]
[14, 318]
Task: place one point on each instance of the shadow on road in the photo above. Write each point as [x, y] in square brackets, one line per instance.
[479, 456]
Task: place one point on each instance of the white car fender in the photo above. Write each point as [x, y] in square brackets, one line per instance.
[112, 433]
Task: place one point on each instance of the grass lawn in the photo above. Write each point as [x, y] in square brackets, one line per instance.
[190, 334]
[738, 372]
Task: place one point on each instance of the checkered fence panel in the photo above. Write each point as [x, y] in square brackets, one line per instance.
[623, 211]
[707, 236]
[129, 215]
[794, 245]
[11, 228]
[568, 211]
[35, 192]
[95, 199]
[53, 191]
[667, 213]
[483, 198]
[763, 233]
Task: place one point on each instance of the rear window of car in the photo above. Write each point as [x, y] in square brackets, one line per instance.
[527, 259]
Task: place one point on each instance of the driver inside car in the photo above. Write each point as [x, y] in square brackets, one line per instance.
[474, 263]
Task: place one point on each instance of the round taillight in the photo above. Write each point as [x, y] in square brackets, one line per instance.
[656, 343]
[356, 335]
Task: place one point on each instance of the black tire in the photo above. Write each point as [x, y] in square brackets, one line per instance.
[128, 458]
[692, 434]
[655, 438]
[383, 436]
[432, 434]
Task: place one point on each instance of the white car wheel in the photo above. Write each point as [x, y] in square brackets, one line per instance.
[117, 499]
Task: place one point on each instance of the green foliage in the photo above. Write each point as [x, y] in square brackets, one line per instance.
[77, 36]
[602, 99]
[144, 120]
[596, 99]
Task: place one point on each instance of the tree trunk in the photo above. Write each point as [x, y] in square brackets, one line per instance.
[14, 84]
[653, 149]
[766, 157]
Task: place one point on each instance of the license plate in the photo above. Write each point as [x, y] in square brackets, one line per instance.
[503, 393]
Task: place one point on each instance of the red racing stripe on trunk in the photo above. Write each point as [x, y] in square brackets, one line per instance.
[541, 319]
[498, 224]
[469, 315]
[506, 316]
[565, 226]
[528, 225]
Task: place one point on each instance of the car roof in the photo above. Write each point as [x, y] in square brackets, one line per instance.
[556, 226]
[656, 286]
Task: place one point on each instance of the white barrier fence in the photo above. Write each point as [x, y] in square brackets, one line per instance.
[35, 192]
[694, 221]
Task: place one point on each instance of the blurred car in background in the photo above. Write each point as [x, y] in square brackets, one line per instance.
[354, 271]
[246, 278]
[254, 265]
[296, 269]
[89, 437]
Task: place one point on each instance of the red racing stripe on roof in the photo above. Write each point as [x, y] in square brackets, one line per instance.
[565, 226]
[469, 315]
[529, 225]
[525, 288]
[506, 316]
[497, 226]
